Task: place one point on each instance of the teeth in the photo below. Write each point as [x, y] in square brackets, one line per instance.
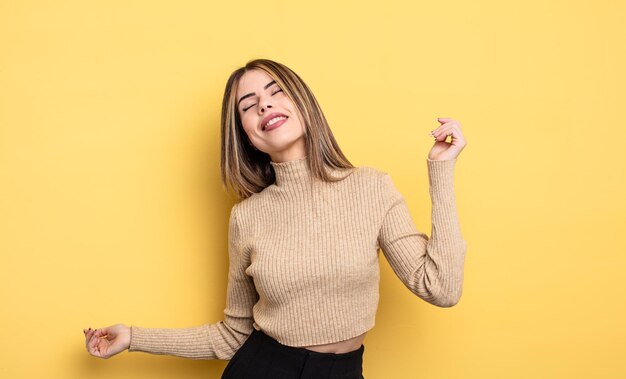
[275, 120]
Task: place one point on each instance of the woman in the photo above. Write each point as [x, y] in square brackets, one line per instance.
[304, 240]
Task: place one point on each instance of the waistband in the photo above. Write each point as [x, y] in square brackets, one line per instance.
[259, 337]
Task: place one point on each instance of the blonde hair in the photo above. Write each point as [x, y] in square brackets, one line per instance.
[245, 170]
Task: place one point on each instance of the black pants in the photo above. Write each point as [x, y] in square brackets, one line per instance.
[261, 356]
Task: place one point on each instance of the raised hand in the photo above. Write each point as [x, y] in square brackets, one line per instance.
[106, 342]
[443, 150]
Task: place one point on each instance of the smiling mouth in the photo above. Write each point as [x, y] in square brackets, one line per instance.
[275, 122]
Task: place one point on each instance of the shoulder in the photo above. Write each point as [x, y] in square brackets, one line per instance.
[242, 207]
[383, 187]
[370, 178]
[359, 179]
[378, 185]
[248, 210]
[375, 177]
[369, 173]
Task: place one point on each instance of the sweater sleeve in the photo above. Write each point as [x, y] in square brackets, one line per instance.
[432, 268]
[219, 340]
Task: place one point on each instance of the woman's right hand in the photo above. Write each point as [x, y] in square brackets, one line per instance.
[106, 342]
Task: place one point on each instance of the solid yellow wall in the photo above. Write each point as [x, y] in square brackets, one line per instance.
[111, 209]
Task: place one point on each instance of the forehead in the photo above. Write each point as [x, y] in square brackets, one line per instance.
[252, 81]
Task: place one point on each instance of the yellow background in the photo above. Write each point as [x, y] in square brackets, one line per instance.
[111, 209]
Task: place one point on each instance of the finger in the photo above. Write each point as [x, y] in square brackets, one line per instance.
[433, 132]
[93, 345]
[93, 338]
[89, 342]
[88, 336]
[450, 122]
[444, 119]
[442, 132]
[91, 333]
[458, 133]
[443, 126]
[450, 130]
[456, 136]
[97, 335]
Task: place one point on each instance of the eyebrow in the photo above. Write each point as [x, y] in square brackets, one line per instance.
[252, 93]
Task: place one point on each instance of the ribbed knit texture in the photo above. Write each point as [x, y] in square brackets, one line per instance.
[304, 260]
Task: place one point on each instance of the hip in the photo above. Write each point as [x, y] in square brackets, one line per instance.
[261, 356]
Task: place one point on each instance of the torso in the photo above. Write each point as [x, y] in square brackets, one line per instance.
[339, 347]
[263, 247]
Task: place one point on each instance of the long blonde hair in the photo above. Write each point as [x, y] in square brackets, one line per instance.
[245, 170]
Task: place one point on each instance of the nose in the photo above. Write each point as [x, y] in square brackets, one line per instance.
[264, 103]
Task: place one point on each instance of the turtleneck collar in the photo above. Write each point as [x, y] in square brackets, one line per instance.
[292, 172]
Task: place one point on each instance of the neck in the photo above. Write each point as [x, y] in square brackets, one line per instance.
[292, 172]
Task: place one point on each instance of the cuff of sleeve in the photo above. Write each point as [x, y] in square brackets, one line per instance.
[441, 175]
[136, 340]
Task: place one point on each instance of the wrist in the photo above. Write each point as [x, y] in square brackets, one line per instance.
[129, 333]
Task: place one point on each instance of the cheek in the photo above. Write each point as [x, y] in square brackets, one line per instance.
[247, 122]
[293, 110]
[296, 116]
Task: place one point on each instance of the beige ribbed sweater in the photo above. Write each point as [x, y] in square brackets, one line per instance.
[304, 260]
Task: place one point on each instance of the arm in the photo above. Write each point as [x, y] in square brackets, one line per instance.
[210, 341]
[432, 268]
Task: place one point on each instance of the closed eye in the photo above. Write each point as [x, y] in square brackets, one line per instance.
[245, 109]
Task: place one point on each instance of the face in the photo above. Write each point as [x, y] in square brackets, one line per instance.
[269, 117]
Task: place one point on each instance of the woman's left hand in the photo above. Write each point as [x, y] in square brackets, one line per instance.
[443, 150]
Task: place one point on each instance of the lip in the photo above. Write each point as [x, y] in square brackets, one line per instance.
[271, 116]
[275, 125]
